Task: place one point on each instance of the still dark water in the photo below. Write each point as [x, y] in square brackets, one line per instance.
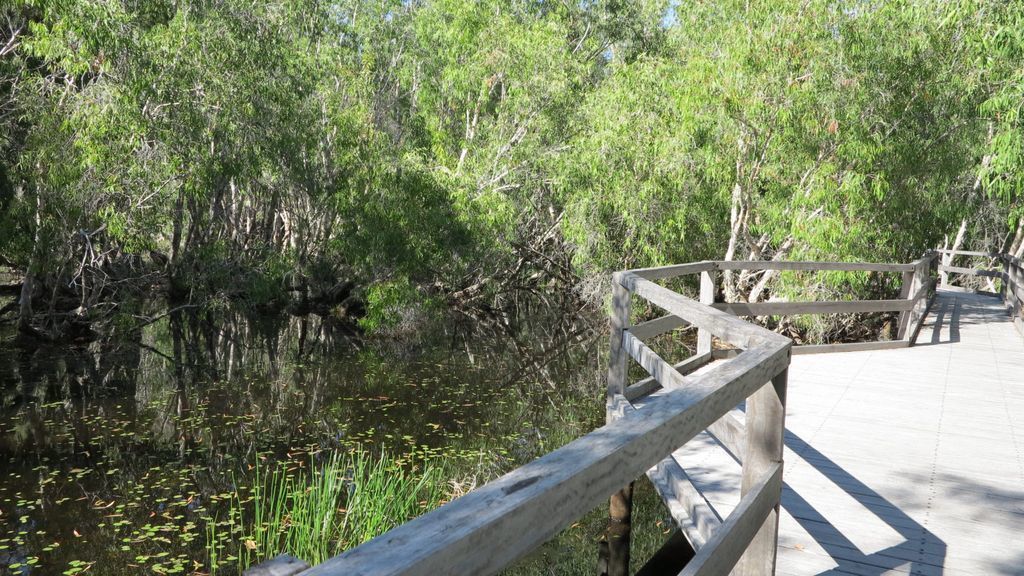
[112, 454]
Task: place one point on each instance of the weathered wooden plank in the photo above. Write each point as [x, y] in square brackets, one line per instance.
[731, 434]
[967, 253]
[727, 327]
[657, 327]
[812, 266]
[728, 430]
[526, 507]
[620, 502]
[672, 271]
[619, 324]
[906, 289]
[926, 284]
[765, 426]
[664, 373]
[281, 565]
[644, 387]
[850, 347]
[832, 307]
[707, 296]
[970, 271]
[692, 513]
[723, 550]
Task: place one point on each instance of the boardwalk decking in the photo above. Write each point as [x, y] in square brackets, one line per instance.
[907, 461]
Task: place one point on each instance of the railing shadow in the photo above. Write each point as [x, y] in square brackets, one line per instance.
[922, 550]
[953, 323]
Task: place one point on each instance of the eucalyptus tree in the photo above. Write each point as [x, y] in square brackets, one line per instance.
[997, 39]
[777, 129]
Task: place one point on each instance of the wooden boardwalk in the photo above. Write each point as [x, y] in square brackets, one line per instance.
[907, 461]
[900, 457]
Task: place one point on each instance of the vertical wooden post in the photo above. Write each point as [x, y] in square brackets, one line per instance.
[908, 290]
[617, 360]
[707, 296]
[766, 414]
[620, 506]
[922, 276]
[1006, 276]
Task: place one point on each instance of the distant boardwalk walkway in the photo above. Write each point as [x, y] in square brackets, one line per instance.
[910, 461]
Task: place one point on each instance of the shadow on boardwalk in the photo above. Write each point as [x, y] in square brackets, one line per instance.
[921, 551]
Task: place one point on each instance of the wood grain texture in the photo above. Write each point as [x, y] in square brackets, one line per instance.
[970, 271]
[619, 324]
[729, 542]
[692, 513]
[833, 307]
[765, 427]
[661, 371]
[812, 266]
[724, 326]
[906, 289]
[527, 506]
[707, 297]
[967, 253]
[850, 347]
[900, 426]
[658, 326]
[731, 434]
[644, 387]
[662, 272]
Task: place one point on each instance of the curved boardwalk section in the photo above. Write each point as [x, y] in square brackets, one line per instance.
[910, 461]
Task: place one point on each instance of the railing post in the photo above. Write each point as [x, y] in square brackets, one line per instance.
[945, 260]
[620, 505]
[922, 277]
[1006, 276]
[908, 290]
[707, 296]
[766, 413]
[617, 360]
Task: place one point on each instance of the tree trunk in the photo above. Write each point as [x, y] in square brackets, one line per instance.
[947, 259]
[736, 223]
[176, 230]
[29, 285]
[25, 303]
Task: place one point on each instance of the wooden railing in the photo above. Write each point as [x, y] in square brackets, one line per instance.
[918, 285]
[1013, 289]
[495, 525]
[1011, 275]
[648, 422]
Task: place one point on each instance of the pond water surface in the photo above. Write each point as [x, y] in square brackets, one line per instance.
[115, 455]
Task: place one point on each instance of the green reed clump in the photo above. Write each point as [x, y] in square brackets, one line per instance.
[339, 503]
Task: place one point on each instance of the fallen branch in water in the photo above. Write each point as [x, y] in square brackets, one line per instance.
[150, 320]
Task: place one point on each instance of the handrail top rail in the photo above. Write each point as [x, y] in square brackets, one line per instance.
[674, 270]
[722, 324]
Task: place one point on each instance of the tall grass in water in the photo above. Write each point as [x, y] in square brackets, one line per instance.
[341, 502]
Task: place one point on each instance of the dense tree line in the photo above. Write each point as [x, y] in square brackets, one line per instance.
[354, 155]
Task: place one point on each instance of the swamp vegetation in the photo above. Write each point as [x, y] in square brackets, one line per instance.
[277, 275]
[215, 441]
